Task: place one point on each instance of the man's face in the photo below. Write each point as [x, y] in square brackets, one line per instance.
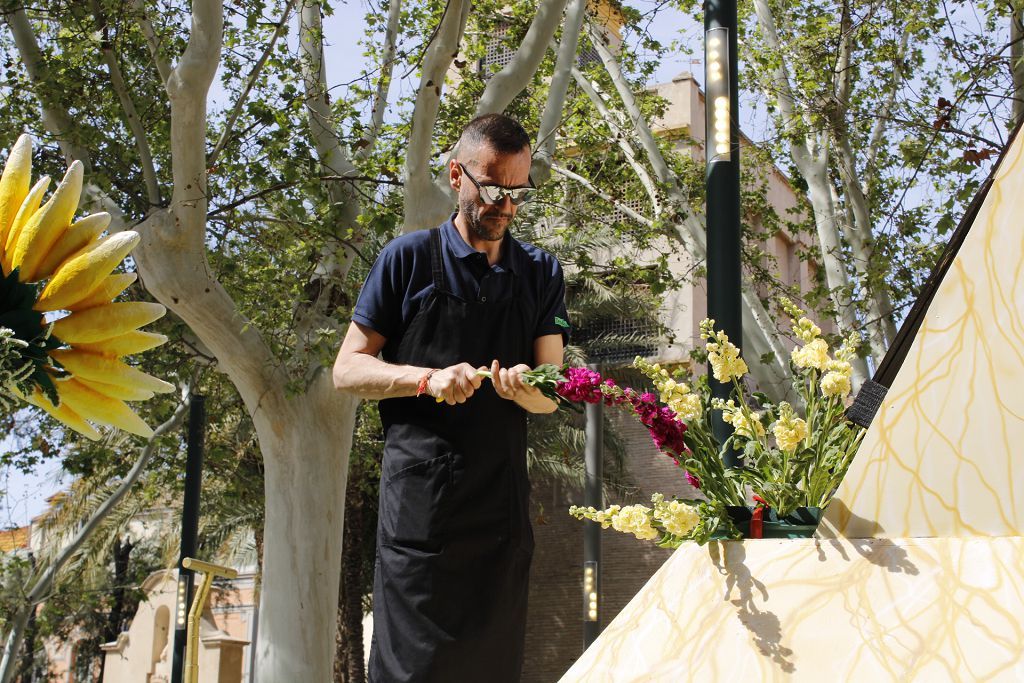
[489, 221]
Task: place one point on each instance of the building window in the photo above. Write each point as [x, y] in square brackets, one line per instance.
[641, 206]
[497, 52]
[616, 340]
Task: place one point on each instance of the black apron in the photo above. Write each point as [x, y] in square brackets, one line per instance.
[454, 541]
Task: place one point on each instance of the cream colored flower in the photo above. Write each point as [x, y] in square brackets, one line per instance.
[744, 426]
[677, 517]
[806, 330]
[602, 517]
[723, 355]
[814, 354]
[680, 399]
[636, 520]
[848, 349]
[840, 366]
[835, 384]
[687, 407]
[789, 429]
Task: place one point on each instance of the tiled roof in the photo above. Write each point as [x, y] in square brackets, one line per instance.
[14, 539]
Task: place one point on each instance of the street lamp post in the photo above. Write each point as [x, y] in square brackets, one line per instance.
[592, 497]
[722, 182]
[189, 530]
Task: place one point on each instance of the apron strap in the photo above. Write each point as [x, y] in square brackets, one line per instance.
[436, 259]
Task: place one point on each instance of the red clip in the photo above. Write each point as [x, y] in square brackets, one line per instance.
[757, 519]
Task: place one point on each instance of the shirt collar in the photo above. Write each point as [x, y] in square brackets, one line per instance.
[511, 250]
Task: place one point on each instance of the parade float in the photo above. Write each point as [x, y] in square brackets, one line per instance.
[915, 570]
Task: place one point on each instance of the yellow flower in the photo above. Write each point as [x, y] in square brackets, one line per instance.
[636, 520]
[744, 426]
[723, 355]
[806, 330]
[812, 355]
[602, 517]
[679, 398]
[789, 429]
[848, 349]
[835, 384]
[677, 517]
[840, 366]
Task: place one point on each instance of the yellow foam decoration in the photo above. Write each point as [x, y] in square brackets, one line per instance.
[943, 455]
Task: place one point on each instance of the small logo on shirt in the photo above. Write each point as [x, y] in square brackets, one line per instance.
[561, 323]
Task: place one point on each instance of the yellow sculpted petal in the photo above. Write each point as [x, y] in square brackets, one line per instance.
[27, 210]
[63, 413]
[115, 391]
[46, 225]
[106, 322]
[108, 370]
[82, 275]
[108, 289]
[127, 344]
[14, 184]
[96, 407]
[80, 235]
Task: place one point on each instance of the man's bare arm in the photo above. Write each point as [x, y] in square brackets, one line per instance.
[358, 370]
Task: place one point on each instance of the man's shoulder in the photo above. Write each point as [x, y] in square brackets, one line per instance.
[410, 243]
[538, 258]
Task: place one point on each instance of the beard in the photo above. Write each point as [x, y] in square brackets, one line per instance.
[471, 210]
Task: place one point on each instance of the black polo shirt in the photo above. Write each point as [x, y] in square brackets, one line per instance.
[400, 279]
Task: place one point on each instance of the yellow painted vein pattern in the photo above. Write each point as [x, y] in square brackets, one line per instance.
[943, 456]
[927, 609]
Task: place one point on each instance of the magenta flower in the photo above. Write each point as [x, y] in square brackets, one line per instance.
[585, 385]
[581, 385]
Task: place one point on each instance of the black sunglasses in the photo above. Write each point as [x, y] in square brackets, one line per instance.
[494, 194]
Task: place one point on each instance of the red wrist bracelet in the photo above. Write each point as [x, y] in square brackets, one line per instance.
[421, 388]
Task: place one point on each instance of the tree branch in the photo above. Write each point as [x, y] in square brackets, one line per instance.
[622, 138]
[636, 117]
[505, 85]
[380, 98]
[55, 118]
[593, 189]
[336, 255]
[544, 150]
[152, 40]
[426, 204]
[254, 73]
[131, 114]
[882, 122]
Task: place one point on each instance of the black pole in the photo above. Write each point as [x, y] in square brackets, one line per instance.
[722, 177]
[189, 527]
[592, 530]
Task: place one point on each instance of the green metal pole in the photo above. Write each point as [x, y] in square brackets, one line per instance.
[722, 178]
[189, 530]
[592, 497]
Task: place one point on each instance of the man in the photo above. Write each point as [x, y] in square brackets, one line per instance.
[454, 538]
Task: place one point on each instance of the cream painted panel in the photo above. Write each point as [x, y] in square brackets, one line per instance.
[928, 609]
[943, 456]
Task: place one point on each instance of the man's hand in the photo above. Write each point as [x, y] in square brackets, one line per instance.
[454, 384]
[509, 384]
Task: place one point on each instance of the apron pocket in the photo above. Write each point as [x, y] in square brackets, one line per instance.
[415, 508]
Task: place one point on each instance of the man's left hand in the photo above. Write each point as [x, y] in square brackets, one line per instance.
[509, 384]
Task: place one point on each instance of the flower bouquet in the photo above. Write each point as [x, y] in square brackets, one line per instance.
[792, 457]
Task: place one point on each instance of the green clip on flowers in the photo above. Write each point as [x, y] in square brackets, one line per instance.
[793, 456]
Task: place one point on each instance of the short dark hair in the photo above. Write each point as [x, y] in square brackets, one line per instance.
[501, 133]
